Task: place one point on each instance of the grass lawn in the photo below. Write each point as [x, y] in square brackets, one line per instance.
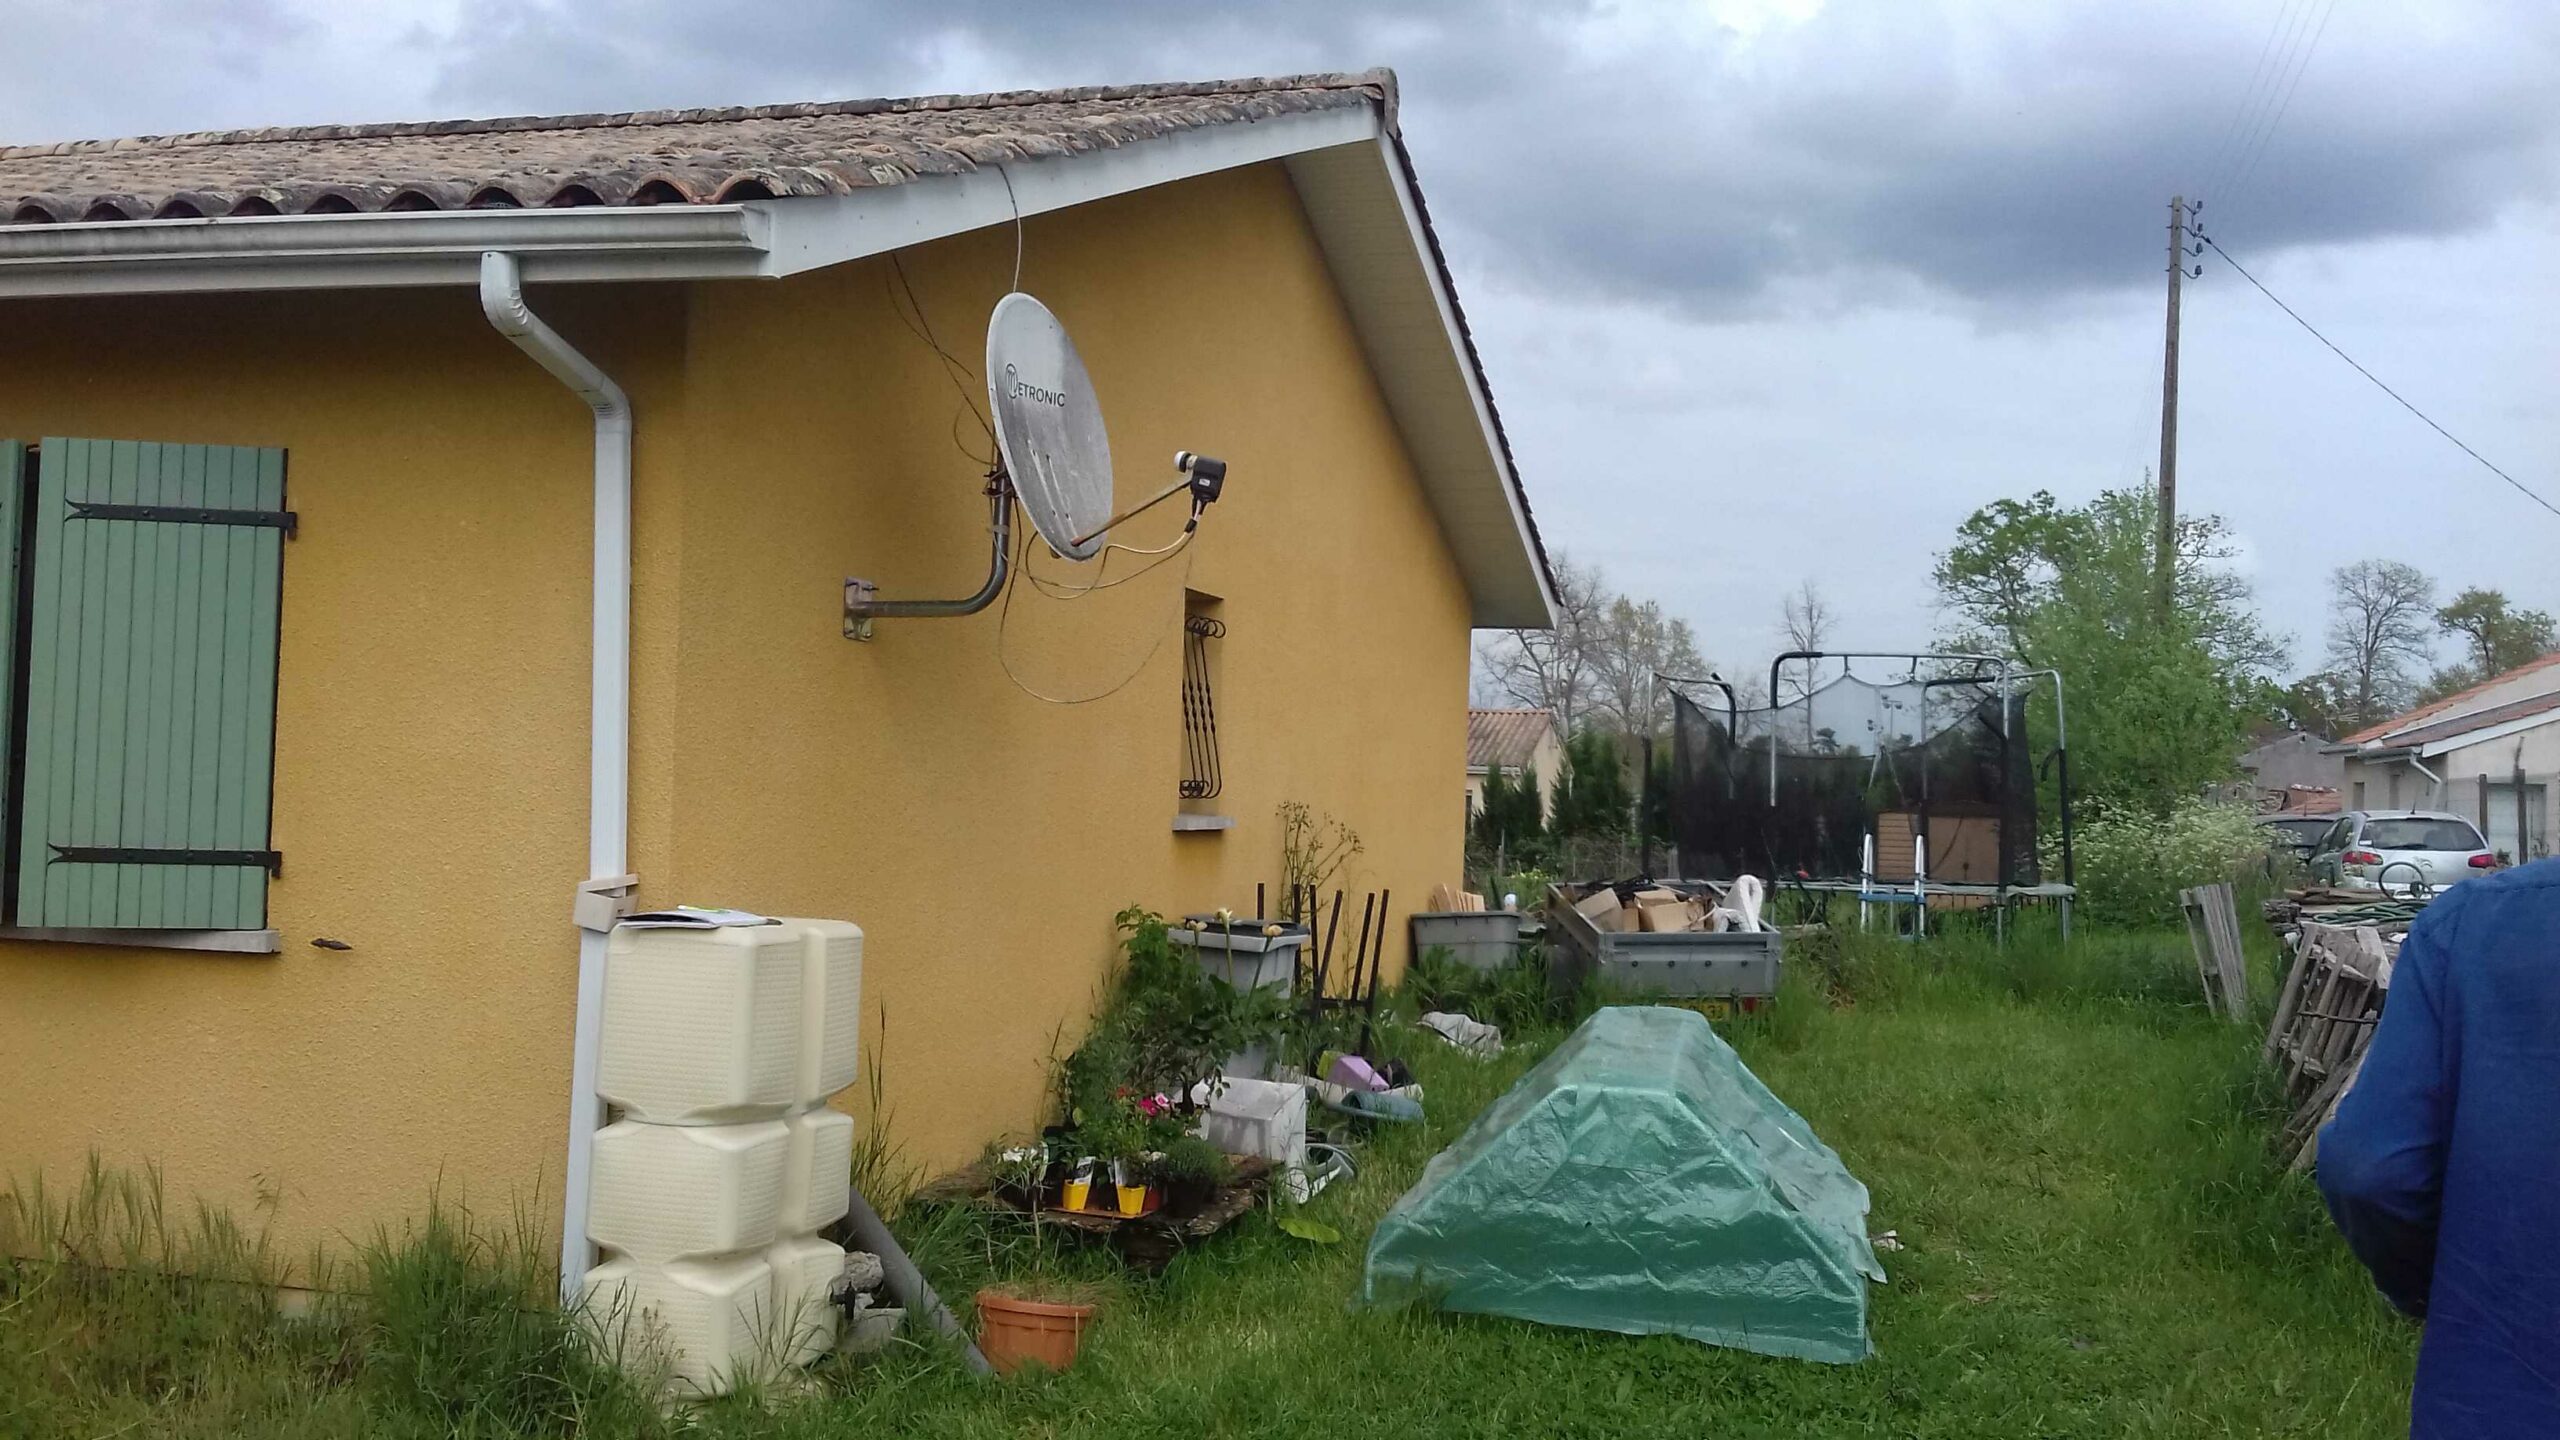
[2070, 1151]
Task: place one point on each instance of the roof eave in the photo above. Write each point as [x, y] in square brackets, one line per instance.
[1350, 171]
[358, 251]
[2462, 740]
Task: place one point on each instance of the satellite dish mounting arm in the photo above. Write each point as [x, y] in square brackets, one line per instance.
[1202, 475]
[862, 602]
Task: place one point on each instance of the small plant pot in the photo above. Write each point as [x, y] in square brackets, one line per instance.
[1013, 1333]
[1076, 1192]
[1132, 1199]
[1188, 1197]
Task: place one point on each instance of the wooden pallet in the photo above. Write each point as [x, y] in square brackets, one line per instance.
[2213, 929]
[1148, 1242]
[2325, 1018]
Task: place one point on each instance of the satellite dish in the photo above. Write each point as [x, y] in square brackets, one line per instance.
[1049, 427]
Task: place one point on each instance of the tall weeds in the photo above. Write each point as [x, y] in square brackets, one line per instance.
[119, 1314]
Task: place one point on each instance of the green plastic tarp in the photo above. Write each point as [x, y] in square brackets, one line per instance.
[1641, 1179]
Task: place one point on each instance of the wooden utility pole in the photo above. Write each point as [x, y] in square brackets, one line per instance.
[2165, 557]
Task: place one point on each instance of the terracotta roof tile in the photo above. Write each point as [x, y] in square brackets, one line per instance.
[2523, 709]
[1508, 738]
[695, 157]
[2405, 720]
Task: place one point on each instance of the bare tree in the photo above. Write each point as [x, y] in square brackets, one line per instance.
[2381, 617]
[1552, 669]
[1635, 641]
[1807, 617]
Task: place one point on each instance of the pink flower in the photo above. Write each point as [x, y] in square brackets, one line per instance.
[1154, 1105]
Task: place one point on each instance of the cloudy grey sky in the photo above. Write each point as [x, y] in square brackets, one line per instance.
[1768, 289]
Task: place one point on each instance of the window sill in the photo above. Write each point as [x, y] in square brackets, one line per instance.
[1186, 823]
[231, 942]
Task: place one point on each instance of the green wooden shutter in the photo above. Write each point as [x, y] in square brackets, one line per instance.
[151, 681]
[13, 480]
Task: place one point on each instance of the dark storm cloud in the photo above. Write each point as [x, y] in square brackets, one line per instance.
[2005, 153]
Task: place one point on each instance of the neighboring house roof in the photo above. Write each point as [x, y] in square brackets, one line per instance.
[2476, 721]
[2449, 704]
[775, 190]
[1508, 738]
[2294, 740]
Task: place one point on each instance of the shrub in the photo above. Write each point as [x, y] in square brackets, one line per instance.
[2132, 865]
[1513, 997]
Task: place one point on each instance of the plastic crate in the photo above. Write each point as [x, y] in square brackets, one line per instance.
[1482, 939]
[1241, 954]
[1732, 964]
[1258, 1117]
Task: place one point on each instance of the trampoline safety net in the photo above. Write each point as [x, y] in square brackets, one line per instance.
[1940, 764]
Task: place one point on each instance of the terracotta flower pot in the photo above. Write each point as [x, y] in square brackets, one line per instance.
[1013, 1333]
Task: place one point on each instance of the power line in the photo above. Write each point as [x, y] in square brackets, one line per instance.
[2277, 57]
[2250, 164]
[2248, 98]
[2521, 488]
[2248, 93]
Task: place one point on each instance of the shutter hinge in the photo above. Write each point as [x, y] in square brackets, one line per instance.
[285, 520]
[271, 861]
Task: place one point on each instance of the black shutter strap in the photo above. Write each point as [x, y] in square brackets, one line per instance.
[284, 520]
[271, 861]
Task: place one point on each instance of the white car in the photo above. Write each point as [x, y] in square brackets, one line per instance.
[2396, 851]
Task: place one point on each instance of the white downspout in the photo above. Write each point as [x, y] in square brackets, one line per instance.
[2435, 782]
[604, 895]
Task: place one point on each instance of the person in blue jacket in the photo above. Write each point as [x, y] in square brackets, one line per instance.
[2442, 1167]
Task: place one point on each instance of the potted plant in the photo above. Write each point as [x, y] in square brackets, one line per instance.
[1143, 1126]
[1076, 1191]
[1106, 1133]
[1129, 1184]
[1017, 1172]
[1192, 1171]
[1036, 1321]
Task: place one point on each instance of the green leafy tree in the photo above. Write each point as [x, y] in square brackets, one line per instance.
[2496, 638]
[1511, 813]
[2320, 703]
[1653, 808]
[2159, 708]
[1592, 798]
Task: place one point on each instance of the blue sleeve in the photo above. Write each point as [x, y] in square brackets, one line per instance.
[2381, 1161]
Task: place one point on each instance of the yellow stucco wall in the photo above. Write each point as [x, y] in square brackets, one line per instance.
[430, 793]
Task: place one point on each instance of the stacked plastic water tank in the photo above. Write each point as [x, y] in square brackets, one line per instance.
[720, 1049]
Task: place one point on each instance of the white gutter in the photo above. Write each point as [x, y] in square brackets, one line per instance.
[425, 247]
[605, 894]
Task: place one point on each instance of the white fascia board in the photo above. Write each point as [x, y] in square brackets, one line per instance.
[810, 233]
[1364, 214]
[421, 247]
[2465, 741]
[1461, 350]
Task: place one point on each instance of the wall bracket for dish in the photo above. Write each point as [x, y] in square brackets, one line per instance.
[862, 602]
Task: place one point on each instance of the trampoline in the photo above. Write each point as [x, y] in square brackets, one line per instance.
[1916, 791]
